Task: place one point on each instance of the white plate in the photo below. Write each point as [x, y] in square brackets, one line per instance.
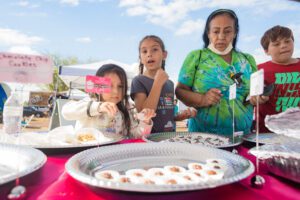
[18, 161]
[82, 166]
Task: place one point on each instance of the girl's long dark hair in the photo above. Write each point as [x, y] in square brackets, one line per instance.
[230, 13]
[162, 46]
[123, 105]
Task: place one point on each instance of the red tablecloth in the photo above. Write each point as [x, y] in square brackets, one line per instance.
[52, 182]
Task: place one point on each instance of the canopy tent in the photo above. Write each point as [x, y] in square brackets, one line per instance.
[74, 75]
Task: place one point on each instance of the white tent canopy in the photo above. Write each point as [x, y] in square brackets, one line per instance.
[74, 75]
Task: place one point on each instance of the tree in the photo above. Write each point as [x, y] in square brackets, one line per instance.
[59, 61]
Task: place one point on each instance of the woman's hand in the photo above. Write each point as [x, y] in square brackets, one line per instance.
[212, 97]
[261, 100]
[145, 115]
[108, 107]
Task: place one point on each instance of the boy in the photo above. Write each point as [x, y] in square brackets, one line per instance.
[283, 71]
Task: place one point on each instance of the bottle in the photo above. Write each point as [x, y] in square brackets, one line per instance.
[12, 114]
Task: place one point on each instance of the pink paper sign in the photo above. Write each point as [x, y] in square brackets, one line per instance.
[96, 84]
[21, 68]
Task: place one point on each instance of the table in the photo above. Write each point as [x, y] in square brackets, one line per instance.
[53, 183]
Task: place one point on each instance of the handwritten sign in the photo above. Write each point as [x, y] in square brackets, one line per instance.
[232, 91]
[21, 68]
[257, 83]
[96, 84]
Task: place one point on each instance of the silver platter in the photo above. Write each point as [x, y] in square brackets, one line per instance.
[44, 143]
[82, 166]
[83, 145]
[268, 138]
[18, 161]
[166, 136]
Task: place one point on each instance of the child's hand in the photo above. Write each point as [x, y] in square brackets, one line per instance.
[161, 76]
[193, 112]
[185, 114]
[108, 107]
[145, 115]
[261, 100]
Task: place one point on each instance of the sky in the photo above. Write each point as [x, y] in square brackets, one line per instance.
[98, 30]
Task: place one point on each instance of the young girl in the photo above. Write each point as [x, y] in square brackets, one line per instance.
[152, 88]
[110, 112]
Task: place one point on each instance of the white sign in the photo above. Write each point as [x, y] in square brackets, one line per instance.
[20, 68]
[232, 91]
[257, 83]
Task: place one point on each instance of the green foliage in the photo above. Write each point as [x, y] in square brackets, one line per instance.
[59, 61]
[61, 86]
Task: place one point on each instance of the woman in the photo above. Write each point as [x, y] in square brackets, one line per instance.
[206, 75]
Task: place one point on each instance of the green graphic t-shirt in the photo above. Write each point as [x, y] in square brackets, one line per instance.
[203, 70]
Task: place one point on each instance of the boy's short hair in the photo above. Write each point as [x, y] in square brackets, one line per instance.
[273, 34]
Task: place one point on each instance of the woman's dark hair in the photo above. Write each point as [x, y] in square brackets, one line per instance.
[161, 44]
[123, 105]
[230, 13]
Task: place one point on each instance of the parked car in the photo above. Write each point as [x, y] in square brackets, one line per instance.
[42, 108]
[31, 110]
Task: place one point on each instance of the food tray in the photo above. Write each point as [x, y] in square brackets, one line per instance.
[83, 166]
[281, 159]
[268, 138]
[207, 139]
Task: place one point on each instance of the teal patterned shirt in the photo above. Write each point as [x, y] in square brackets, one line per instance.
[203, 70]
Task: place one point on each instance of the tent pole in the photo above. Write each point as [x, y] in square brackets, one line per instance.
[70, 88]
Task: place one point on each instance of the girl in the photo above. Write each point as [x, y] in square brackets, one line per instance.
[152, 88]
[110, 112]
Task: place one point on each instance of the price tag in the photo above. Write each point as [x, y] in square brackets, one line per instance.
[257, 83]
[232, 91]
[21, 68]
[96, 84]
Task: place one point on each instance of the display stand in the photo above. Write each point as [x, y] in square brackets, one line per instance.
[56, 118]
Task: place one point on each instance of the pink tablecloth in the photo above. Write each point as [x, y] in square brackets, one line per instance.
[52, 182]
